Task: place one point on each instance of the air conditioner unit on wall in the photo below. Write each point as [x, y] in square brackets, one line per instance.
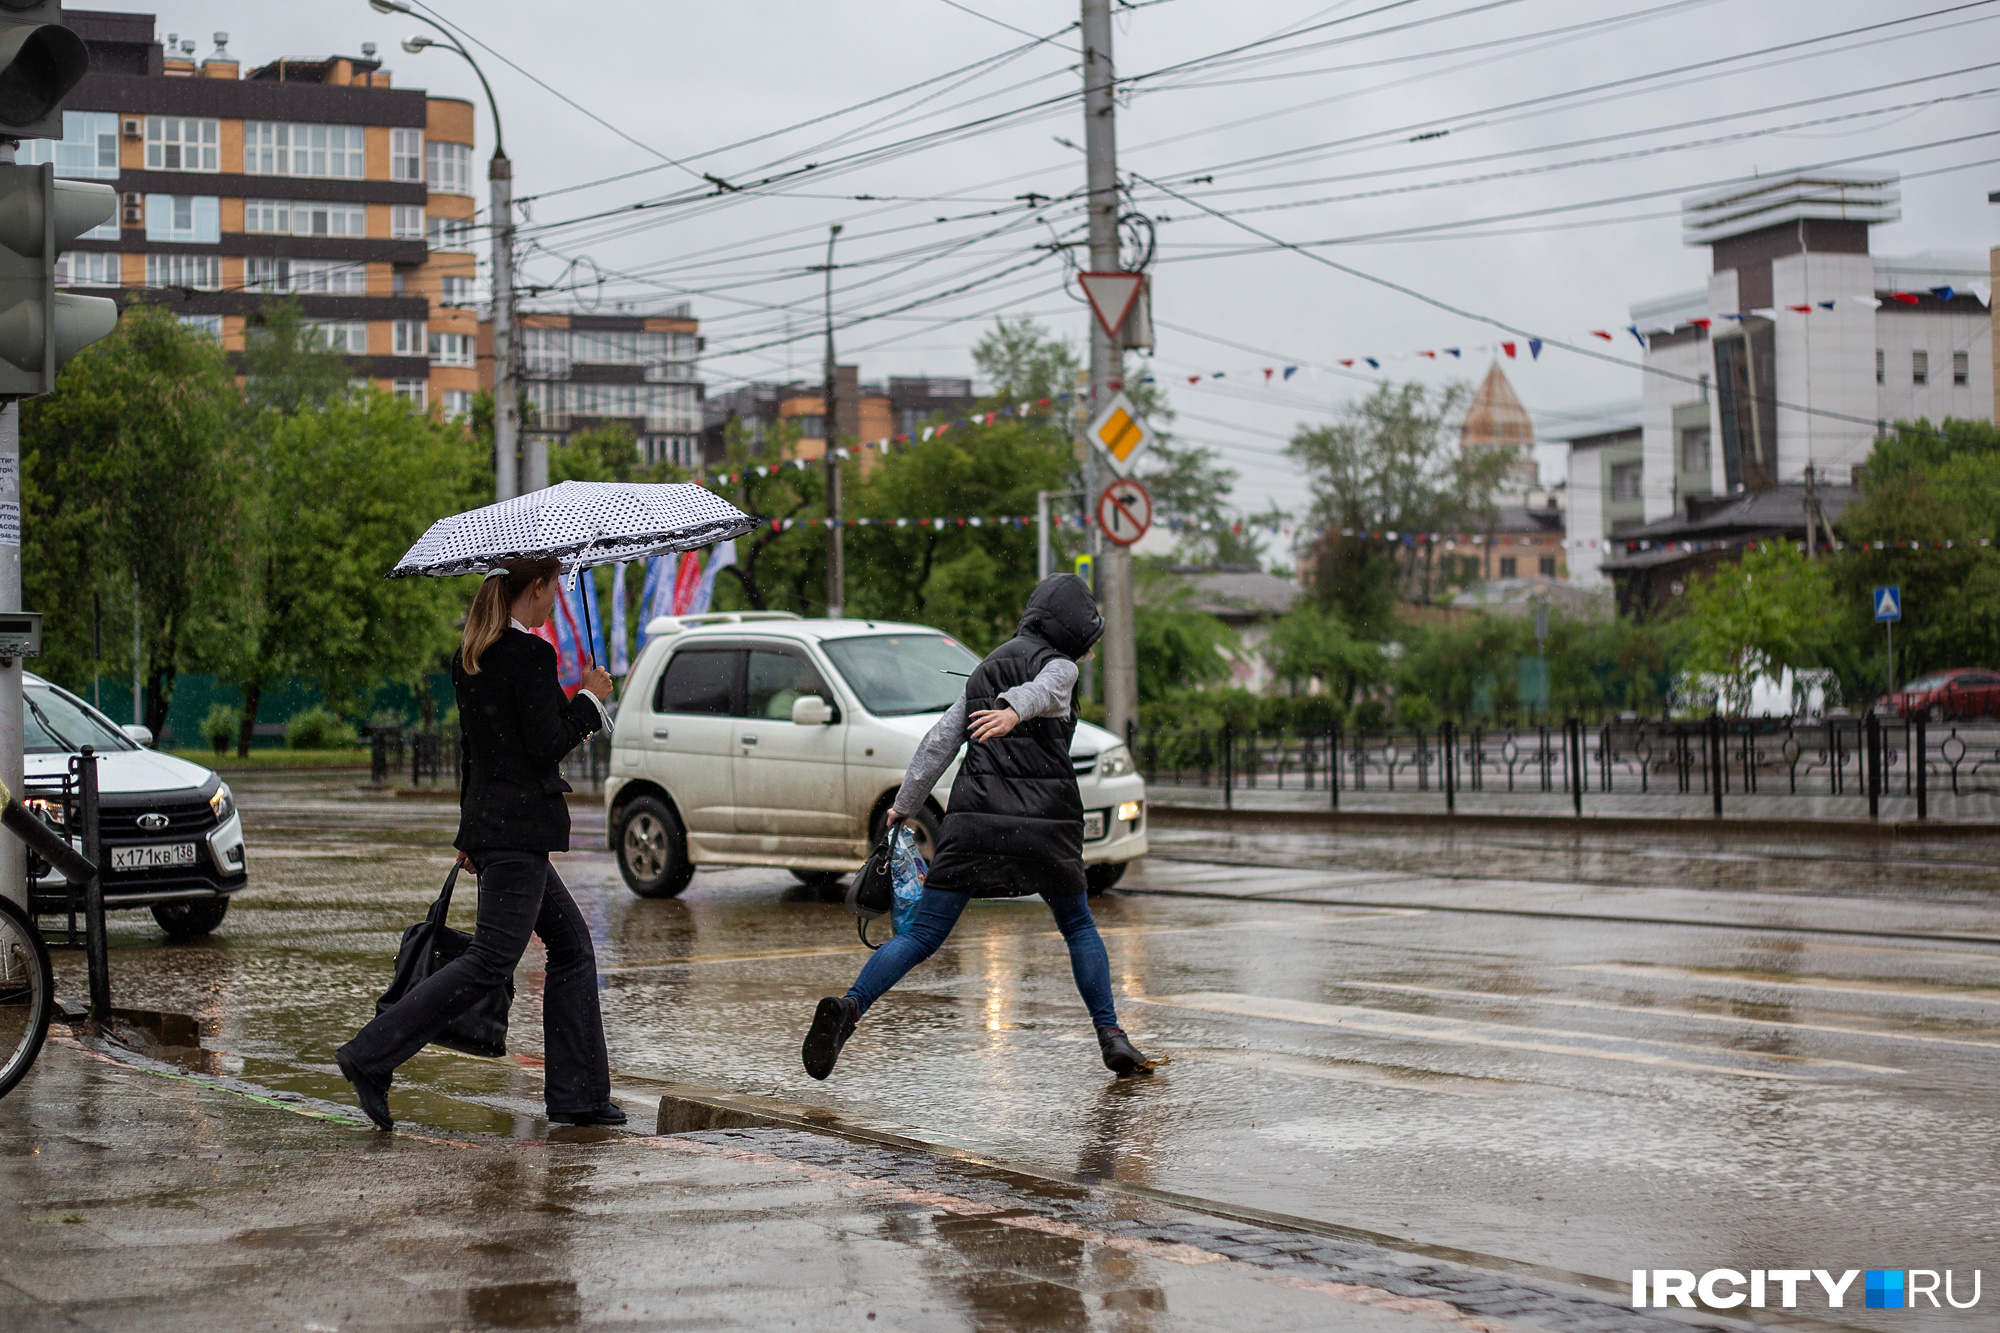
[132, 127]
[135, 212]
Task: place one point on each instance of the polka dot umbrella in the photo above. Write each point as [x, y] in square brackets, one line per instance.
[579, 523]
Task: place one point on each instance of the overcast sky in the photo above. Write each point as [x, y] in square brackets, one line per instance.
[1316, 132]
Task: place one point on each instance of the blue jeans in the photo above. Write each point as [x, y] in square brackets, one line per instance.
[939, 911]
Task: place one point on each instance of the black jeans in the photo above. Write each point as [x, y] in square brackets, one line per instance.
[519, 893]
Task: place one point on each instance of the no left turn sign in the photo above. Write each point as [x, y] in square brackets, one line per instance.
[1124, 512]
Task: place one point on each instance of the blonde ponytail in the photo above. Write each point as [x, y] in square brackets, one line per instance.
[487, 620]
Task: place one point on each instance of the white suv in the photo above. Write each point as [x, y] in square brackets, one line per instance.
[759, 738]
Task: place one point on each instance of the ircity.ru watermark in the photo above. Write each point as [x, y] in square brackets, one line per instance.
[1780, 1288]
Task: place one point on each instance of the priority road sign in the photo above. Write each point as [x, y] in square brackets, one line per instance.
[1121, 433]
[1124, 512]
[1889, 603]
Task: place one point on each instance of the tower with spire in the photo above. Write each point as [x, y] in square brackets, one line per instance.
[1496, 420]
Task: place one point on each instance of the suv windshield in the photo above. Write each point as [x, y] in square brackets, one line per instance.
[57, 722]
[895, 674]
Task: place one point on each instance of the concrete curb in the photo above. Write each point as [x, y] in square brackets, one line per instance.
[1751, 827]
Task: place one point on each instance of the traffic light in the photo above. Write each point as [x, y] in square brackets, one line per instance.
[39, 327]
[40, 61]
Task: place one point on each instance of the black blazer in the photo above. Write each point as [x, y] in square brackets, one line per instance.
[515, 726]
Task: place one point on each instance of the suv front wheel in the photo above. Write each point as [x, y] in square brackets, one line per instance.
[652, 849]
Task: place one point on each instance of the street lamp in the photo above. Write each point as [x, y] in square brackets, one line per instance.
[836, 573]
[508, 474]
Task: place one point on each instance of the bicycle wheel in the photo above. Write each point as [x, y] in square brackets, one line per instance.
[27, 994]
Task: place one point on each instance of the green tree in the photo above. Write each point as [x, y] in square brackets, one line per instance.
[337, 495]
[1024, 362]
[130, 472]
[1313, 643]
[1180, 647]
[607, 452]
[1936, 485]
[1390, 465]
[1754, 618]
[287, 364]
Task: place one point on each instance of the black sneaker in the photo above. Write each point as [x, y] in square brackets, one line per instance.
[833, 1024]
[607, 1114]
[373, 1096]
[1121, 1057]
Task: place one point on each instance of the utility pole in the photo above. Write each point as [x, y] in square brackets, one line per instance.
[836, 575]
[513, 471]
[1107, 362]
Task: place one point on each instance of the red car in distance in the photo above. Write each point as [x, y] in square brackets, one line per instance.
[1946, 696]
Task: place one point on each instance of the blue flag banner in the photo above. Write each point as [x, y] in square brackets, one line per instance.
[618, 662]
[720, 557]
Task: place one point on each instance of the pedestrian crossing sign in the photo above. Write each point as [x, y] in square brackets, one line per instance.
[1889, 603]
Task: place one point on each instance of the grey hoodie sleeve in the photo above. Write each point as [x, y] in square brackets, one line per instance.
[935, 752]
[1047, 695]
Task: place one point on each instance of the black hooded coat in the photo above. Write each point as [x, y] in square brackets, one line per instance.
[1015, 825]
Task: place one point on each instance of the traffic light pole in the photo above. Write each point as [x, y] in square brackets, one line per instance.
[13, 852]
[1107, 363]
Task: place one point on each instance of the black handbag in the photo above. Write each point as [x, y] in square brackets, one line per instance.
[428, 946]
[869, 893]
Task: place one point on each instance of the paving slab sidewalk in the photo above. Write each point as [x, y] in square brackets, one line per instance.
[135, 1198]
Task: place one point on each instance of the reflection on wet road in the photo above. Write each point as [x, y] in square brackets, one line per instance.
[1581, 1054]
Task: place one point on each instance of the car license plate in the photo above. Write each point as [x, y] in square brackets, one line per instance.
[152, 858]
[1093, 825]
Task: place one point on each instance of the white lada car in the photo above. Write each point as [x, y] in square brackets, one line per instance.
[760, 738]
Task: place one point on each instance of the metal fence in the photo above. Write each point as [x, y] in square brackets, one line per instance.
[1720, 758]
[429, 757]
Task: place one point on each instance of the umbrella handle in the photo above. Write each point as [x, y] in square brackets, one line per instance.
[589, 629]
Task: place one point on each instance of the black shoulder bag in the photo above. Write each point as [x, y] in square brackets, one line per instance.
[869, 893]
[428, 946]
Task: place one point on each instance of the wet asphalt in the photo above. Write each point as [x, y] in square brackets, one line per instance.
[1571, 1050]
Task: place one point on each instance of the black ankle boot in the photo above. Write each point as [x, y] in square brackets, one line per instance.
[373, 1096]
[1121, 1057]
[833, 1023]
[607, 1114]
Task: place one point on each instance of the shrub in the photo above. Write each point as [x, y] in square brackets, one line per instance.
[220, 726]
[318, 729]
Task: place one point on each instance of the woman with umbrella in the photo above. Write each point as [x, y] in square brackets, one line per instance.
[512, 814]
[516, 728]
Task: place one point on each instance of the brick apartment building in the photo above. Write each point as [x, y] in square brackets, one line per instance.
[873, 411]
[313, 179]
[638, 370]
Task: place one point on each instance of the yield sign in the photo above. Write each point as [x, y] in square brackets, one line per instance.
[1121, 432]
[1111, 297]
[1124, 512]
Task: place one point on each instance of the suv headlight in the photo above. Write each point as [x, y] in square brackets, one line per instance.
[1115, 764]
[223, 803]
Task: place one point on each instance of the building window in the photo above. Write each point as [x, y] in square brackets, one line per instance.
[450, 234]
[406, 155]
[278, 148]
[454, 290]
[88, 268]
[1920, 367]
[201, 272]
[321, 277]
[286, 217]
[406, 223]
[1508, 567]
[193, 218]
[811, 427]
[1548, 566]
[448, 167]
[457, 404]
[412, 390]
[452, 349]
[204, 326]
[180, 143]
[88, 149]
[1881, 366]
[546, 351]
[409, 337]
[349, 337]
[1625, 480]
[1961, 369]
[1694, 449]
